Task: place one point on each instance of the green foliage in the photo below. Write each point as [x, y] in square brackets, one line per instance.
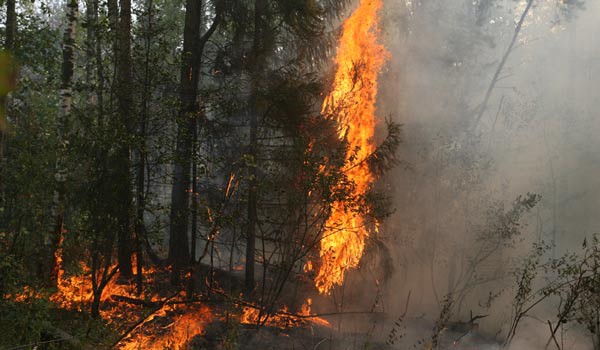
[23, 322]
[231, 339]
[572, 280]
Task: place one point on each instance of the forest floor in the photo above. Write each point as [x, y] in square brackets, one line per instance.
[166, 317]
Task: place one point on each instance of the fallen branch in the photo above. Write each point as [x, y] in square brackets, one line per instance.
[291, 314]
[133, 301]
[146, 303]
[143, 320]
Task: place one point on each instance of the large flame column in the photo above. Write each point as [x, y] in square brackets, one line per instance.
[359, 60]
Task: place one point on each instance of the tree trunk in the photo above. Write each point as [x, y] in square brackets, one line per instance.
[179, 254]
[141, 167]
[91, 20]
[99, 66]
[194, 212]
[258, 61]
[9, 45]
[11, 24]
[123, 164]
[61, 171]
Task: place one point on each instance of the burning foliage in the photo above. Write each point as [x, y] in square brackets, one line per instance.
[359, 60]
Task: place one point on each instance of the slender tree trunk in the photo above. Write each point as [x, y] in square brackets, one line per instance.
[141, 168]
[11, 24]
[113, 24]
[9, 45]
[179, 254]
[123, 176]
[64, 112]
[258, 61]
[99, 86]
[105, 272]
[483, 107]
[194, 226]
[102, 247]
[91, 23]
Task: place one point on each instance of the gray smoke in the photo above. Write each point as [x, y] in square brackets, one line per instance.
[538, 134]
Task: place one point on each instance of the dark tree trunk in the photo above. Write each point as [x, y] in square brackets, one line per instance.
[91, 20]
[141, 167]
[258, 60]
[123, 176]
[61, 171]
[179, 254]
[11, 24]
[9, 45]
[99, 66]
[105, 272]
[193, 47]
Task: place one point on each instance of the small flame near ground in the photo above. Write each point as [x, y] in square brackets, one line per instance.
[173, 325]
[188, 322]
[284, 318]
[359, 60]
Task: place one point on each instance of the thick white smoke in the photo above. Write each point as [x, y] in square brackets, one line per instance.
[538, 135]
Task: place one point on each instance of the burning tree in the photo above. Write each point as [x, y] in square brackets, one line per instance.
[266, 174]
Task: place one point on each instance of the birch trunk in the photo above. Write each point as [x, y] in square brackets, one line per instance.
[64, 112]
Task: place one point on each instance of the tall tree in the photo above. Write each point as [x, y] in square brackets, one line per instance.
[9, 45]
[64, 112]
[179, 254]
[140, 195]
[256, 70]
[193, 47]
[124, 131]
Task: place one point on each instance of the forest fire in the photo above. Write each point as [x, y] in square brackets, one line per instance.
[188, 174]
[359, 60]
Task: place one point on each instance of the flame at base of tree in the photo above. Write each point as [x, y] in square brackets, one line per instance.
[352, 101]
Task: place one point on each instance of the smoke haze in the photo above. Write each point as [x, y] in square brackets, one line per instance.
[538, 135]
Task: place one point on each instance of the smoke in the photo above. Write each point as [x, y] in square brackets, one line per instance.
[538, 135]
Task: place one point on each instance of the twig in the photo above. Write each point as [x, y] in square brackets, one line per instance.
[319, 343]
[406, 306]
[553, 337]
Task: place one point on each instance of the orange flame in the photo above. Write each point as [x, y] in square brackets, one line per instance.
[283, 319]
[352, 100]
[306, 311]
[189, 322]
